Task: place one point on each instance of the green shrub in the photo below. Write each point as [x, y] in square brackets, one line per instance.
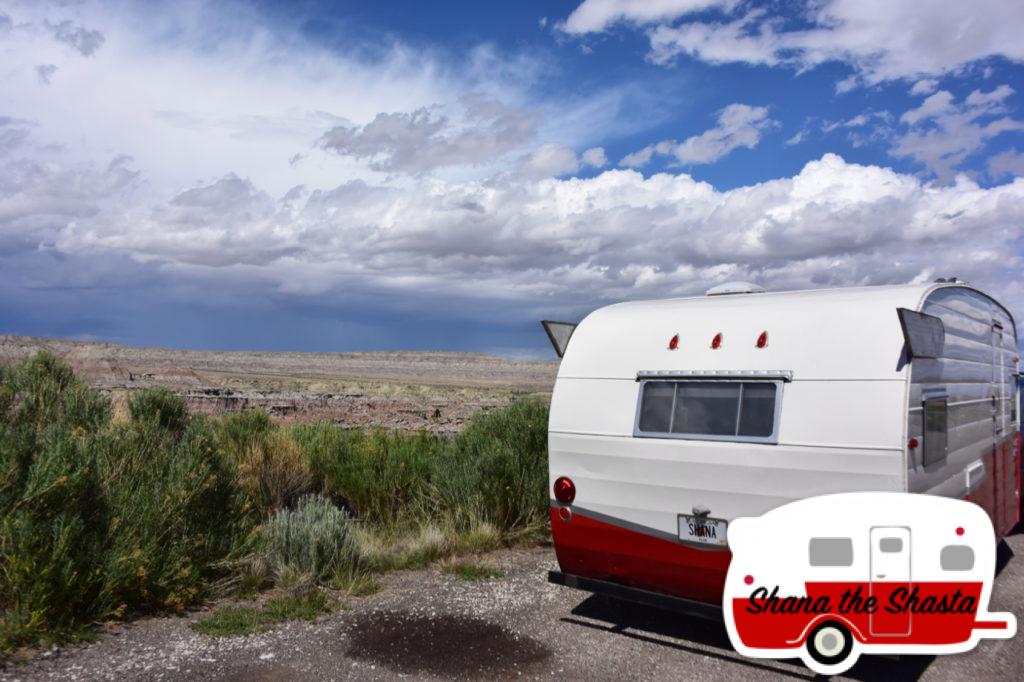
[49, 393]
[327, 449]
[50, 513]
[172, 515]
[159, 406]
[496, 470]
[310, 544]
[269, 466]
[99, 519]
[239, 432]
[381, 477]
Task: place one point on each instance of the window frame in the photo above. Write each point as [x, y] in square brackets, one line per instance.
[937, 395]
[771, 439]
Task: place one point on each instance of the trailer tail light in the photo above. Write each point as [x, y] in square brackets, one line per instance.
[673, 343]
[912, 443]
[565, 490]
[716, 342]
[762, 340]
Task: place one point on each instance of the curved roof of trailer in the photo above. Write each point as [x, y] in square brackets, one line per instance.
[848, 333]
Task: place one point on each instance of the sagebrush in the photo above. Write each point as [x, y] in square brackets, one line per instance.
[103, 517]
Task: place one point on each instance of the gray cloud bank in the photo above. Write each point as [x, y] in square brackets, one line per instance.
[522, 242]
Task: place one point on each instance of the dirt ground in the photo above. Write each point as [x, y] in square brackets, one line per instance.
[406, 390]
[430, 625]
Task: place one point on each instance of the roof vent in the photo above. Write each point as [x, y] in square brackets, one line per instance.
[735, 288]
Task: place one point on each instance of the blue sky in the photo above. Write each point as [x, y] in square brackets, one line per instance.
[342, 176]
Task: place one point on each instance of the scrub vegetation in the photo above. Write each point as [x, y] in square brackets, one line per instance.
[232, 621]
[105, 515]
[466, 570]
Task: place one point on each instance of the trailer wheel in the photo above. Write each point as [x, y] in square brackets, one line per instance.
[830, 643]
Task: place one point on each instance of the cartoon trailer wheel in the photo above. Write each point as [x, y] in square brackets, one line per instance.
[830, 643]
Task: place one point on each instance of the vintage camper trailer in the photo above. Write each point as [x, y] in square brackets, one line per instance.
[671, 418]
[831, 577]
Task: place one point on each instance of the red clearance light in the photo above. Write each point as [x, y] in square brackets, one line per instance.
[673, 343]
[565, 490]
[762, 340]
[716, 342]
[912, 443]
[960, 530]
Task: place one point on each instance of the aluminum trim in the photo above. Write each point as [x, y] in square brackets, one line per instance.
[724, 374]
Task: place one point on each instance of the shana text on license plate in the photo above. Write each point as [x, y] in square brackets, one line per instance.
[703, 530]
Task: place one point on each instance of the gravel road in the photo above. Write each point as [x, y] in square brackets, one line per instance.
[430, 625]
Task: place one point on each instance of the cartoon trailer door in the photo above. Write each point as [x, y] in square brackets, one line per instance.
[890, 569]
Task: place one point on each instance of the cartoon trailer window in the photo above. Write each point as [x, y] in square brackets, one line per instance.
[831, 552]
[935, 419]
[890, 545]
[956, 558]
[709, 409]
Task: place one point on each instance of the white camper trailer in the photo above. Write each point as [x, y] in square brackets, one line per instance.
[671, 418]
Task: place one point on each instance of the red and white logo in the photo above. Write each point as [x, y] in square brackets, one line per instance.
[829, 578]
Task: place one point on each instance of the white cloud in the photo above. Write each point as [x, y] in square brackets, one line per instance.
[925, 86]
[881, 39]
[855, 122]
[597, 15]
[199, 90]
[617, 235]
[555, 160]
[741, 40]
[739, 125]
[424, 140]
[1007, 163]
[594, 157]
[939, 103]
[847, 84]
[550, 160]
[796, 139]
[942, 132]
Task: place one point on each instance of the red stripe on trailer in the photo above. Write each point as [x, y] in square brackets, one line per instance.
[990, 625]
[595, 549]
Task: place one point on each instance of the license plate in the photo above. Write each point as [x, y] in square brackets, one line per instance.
[703, 530]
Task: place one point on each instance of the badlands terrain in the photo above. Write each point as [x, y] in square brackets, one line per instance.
[405, 390]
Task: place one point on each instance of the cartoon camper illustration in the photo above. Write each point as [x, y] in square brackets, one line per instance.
[831, 577]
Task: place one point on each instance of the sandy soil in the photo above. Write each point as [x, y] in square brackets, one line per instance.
[430, 625]
[404, 390]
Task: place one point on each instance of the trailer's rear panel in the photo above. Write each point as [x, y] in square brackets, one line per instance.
[841, 426]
